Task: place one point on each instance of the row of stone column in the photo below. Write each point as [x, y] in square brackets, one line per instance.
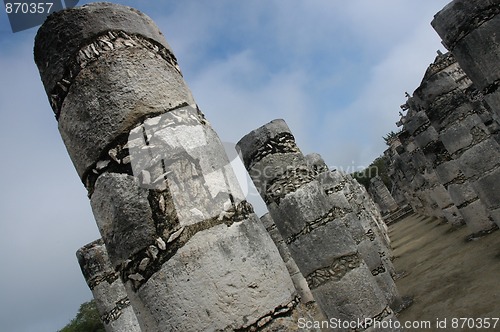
[190, 252]
[469, 29]
[338, 244]
[447, 156]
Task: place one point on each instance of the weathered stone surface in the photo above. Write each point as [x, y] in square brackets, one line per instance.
[460, 17]
[109, 293]
[114, 71]
[298, 279]
[53, 51]
[427, 136]
[488, 189]
[453, 215]
[355, 295]
[192, 254]
[298, 211]
[312, 223]
[477, 212]
[123, 215]
[325, 247]
[381, 195]
[254, 146]
[480, 158]
[222, 284]
[448, 171]
[111, 95]
[178, 147]
[462, 194]
[459, 135]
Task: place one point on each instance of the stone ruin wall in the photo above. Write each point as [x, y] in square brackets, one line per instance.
[179, 239]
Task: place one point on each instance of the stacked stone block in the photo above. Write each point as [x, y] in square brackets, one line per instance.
[427, 155]
[189, 249]
[469, 29]
[414, 174]
[456, 132]
[315, 229]
[365, 224]
[110, 296]
[382, 196]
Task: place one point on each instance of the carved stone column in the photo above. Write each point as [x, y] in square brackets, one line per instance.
[312, 227]
[191, 253]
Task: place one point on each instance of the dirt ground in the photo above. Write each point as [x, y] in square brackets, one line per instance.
[447, 277]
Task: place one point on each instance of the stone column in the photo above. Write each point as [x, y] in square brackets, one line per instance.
[458, 126]
[313, 228]
[308, 304]
[109, 293]
[190, 251]
[469, 29]
[382, 196]
[364, 223]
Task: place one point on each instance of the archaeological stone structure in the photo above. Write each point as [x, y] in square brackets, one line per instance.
[189, 250]
[382, 196]
[107, 288]
[446, 158]
[182, 250]
[469, 29]
[330, 240]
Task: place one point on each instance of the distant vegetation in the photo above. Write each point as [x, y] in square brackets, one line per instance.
[377, 167]
[390, 136]
[86, 320]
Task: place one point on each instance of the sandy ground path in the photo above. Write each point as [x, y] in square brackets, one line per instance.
[446, 276]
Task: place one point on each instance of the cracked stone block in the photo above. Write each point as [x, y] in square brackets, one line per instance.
[236, 294]
[456, 137]
[123, 215]
[416, 122]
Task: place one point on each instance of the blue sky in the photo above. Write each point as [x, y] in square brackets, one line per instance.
[336, 71]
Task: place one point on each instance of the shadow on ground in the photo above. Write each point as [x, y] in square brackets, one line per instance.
[446, 276]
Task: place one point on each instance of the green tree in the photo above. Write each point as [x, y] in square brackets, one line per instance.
[390, 136]
[87, 320]
[377, 167]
